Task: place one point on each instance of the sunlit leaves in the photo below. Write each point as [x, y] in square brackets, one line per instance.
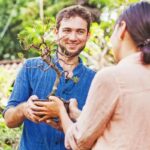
[38, 35]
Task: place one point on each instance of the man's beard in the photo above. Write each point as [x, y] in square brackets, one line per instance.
[65, 52]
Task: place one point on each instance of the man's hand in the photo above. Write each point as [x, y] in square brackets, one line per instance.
[74, 112]
[30, 109]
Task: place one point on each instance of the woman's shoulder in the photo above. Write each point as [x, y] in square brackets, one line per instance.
[107, 71]
[106, 75]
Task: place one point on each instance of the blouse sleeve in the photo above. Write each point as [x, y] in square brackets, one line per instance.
[99, 107]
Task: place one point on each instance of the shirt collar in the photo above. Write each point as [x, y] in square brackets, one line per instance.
[77, 70]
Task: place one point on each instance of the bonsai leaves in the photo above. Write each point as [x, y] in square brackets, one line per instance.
[38, 36]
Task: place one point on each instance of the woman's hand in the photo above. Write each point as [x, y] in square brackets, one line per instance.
[57, 125]
[49, 109]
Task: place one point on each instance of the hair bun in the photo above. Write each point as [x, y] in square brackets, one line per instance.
[146, 51]
[146, 42]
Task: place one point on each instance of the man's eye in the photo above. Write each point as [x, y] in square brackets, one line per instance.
[81, 32]
[66, 31]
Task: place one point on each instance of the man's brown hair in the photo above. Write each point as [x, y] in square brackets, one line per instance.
[73, 11]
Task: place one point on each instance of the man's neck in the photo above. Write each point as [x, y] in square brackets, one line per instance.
[68, 63]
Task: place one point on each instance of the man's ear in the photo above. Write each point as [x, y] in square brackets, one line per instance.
[55, 31]
[122, 29]
[88, 35]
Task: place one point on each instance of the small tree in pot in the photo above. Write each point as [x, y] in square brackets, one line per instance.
[40, 37]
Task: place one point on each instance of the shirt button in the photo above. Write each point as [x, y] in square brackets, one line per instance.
[56, 142]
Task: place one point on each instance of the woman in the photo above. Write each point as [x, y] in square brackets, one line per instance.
[117, 110]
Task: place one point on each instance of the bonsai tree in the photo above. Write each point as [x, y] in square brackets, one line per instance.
[40, 38]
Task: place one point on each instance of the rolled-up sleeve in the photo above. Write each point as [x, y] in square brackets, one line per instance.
[99, 108]
[21, 89]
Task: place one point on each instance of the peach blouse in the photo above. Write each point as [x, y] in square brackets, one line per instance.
[116, 115]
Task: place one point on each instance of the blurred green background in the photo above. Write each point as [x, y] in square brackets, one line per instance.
[16, 15]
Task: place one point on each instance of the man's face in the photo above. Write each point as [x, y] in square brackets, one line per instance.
[72, 35]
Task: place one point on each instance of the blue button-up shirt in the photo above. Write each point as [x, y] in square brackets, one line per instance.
[33, 80]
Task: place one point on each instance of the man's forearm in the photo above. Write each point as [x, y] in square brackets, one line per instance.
[14, 116]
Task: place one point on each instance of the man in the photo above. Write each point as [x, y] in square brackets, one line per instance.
[72, 31]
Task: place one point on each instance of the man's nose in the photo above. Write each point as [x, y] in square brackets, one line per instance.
[73, 36]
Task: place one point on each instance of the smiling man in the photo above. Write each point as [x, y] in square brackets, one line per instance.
[75, 33]
[72, 32]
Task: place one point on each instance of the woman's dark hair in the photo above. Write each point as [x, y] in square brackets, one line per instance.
[137, 18]
[73, 11]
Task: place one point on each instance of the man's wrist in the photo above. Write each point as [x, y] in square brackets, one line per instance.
[22, 109]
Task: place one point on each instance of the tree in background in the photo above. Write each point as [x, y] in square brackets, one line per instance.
[17, 14]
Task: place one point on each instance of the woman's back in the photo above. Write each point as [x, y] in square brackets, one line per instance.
[129, 126]
[117, 109]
